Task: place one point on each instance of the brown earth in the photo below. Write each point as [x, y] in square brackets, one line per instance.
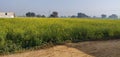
[110, 48]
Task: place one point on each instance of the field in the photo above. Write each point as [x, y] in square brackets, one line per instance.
[24, 33]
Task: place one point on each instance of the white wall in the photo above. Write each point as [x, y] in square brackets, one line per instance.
[9, 15]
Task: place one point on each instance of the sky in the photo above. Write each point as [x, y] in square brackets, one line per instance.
[63, 7]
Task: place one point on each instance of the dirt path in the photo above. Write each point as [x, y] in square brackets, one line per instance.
[109, 48]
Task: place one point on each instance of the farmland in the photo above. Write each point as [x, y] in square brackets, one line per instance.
[25, 33]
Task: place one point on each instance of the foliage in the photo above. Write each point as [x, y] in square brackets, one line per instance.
[114, 16]
[103, 16]
[25, 33]
[82, 15]
[30, 14]
[54, 14]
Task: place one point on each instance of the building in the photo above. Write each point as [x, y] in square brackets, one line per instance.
[7, 14]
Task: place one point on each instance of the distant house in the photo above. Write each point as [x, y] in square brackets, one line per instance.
[7, 14]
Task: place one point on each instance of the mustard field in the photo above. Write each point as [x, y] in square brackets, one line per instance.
[25, 33]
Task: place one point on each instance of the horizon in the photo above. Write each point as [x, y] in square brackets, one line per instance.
[63, 7]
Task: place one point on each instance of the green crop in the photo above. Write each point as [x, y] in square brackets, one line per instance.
[25, 33]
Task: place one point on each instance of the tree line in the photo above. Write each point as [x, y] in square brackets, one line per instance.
[83, 15]
[54, 14]
[32, 14]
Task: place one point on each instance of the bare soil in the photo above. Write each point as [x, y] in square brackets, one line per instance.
[110, 48]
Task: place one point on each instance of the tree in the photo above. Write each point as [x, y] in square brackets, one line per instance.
[30, 14]
[104, 16]
[38, 15]
[114, 16]
[54, 14]
[95, 17]
[73, 16]
[82, 15]
[43, 16]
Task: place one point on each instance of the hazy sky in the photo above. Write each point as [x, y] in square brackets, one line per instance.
[64, 7]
